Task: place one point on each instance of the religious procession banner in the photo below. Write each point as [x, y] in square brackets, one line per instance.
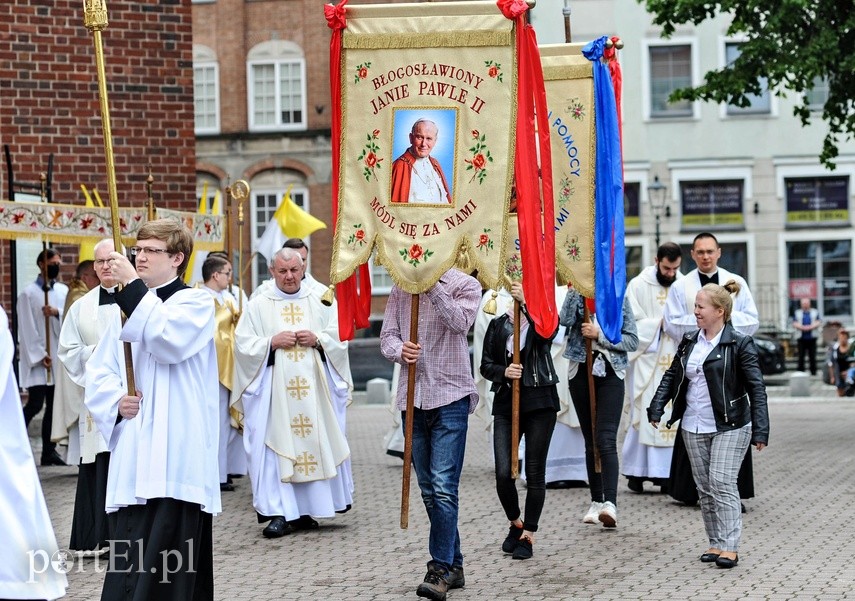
[428, 120]
[569, 83]
[75, 224]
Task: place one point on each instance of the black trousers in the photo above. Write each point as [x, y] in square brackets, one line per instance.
[89, 527]
[161, 551]
[537, 427]
[807, 346]
[608, 392]
[41, 396]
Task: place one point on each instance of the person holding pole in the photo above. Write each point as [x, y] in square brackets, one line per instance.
[598, 397]
[538, 406]
[39, 309]
[443, 396]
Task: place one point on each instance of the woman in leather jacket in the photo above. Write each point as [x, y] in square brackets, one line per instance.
[538, 408]
[717, 390]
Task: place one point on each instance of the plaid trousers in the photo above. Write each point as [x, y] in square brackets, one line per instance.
[715, 458]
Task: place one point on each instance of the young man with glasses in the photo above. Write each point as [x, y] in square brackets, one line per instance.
[163, 484]
[217, 277]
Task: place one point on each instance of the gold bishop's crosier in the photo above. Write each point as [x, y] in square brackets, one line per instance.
[95, 20]
[240, 192]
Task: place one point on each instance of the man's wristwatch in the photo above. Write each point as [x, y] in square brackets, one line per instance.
[317, 344]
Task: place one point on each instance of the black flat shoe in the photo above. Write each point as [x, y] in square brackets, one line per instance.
[635, 484]
[304, 522]
[709, 557]
[226, 487]
[278, 527]
[53, 458]
[727, 562]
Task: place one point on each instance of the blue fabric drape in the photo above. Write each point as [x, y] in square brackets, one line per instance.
[609, 254]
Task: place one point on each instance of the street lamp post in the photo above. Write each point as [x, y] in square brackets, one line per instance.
[657, 193]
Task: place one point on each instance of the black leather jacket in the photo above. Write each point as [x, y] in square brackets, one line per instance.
[535, 356]
[735, 382]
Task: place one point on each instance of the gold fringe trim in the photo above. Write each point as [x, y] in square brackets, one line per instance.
[453, 39]
[568, 72]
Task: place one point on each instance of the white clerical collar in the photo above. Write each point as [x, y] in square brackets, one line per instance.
[110, 290]
[709, 275]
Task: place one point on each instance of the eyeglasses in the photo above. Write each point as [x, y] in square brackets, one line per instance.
[228, 274]
[101, 262]
[148, 250]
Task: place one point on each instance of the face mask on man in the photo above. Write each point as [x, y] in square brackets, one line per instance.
[52, 271]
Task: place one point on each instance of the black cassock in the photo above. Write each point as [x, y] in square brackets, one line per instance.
[89, 527]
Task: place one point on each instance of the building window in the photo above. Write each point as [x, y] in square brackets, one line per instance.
[821, 271]
[712, 205]
[381, 281]
[277, 95]
[265, 203]
[206, 90]
[818, 95]
[760, 104]
[670, 69]
[817, 200]
[634, 264]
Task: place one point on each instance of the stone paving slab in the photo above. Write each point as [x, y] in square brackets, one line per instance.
[798, 538]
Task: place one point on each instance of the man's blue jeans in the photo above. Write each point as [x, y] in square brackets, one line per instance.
[439, 443]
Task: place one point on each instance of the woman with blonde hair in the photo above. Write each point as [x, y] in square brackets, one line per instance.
[717, 390]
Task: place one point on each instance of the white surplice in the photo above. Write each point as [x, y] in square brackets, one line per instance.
[82, 328]
[679, 308]
[27, 532]
[170, 448]
[646, 451]
[31, 332]
[281, 485]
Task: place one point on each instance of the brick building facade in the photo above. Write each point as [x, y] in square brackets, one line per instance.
[49, 104]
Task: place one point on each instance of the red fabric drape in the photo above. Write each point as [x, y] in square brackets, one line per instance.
[535, 206]
[354, 304]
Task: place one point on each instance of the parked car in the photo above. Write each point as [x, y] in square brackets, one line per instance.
[772, 360]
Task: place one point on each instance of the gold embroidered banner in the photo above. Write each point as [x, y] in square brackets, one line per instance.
[428, 121]
[74, 224]
[569, 83]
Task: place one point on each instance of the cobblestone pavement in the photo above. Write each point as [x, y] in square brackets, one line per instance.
[798, 538]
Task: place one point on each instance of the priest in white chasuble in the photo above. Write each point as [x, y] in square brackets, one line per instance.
[84, 324]
[163, 485]
[291, 391]
[646, 453]
[217, 278]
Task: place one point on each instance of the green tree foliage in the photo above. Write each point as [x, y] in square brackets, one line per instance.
[793, 44]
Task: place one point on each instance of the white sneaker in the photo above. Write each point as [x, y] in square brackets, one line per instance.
[593, 514]
[608, 514]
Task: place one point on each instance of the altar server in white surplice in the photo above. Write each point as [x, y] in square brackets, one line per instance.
[565, 462]
[291, 391]
[163, 486]
[85, 322]
[646, 450]
[28, 541]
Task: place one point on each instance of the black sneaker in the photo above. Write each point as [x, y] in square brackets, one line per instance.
[512, 539]
[455, 577]
[635, 484]
[434, 587]
[523, 550]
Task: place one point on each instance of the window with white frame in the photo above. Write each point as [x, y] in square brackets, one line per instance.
[670, 69]
[381, 281]
[760, 104]
[276, 73]
[264, 203]
[206, 96]
[818, 95]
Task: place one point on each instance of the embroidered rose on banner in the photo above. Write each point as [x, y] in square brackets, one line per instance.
[361, 72]
[485, 243]
[494, 70]
[357, 237]
[369, 156]
[576, 109]
[572, 249]
[566, 189]
[480, 157]
[513, 268]
[415, 255]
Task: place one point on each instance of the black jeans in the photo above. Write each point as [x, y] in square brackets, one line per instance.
[38, 396]
[537, 427]
[807, 346]
[609, 398]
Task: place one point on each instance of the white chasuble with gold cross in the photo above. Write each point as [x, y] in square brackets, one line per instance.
[301, 426]
[654, 355]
